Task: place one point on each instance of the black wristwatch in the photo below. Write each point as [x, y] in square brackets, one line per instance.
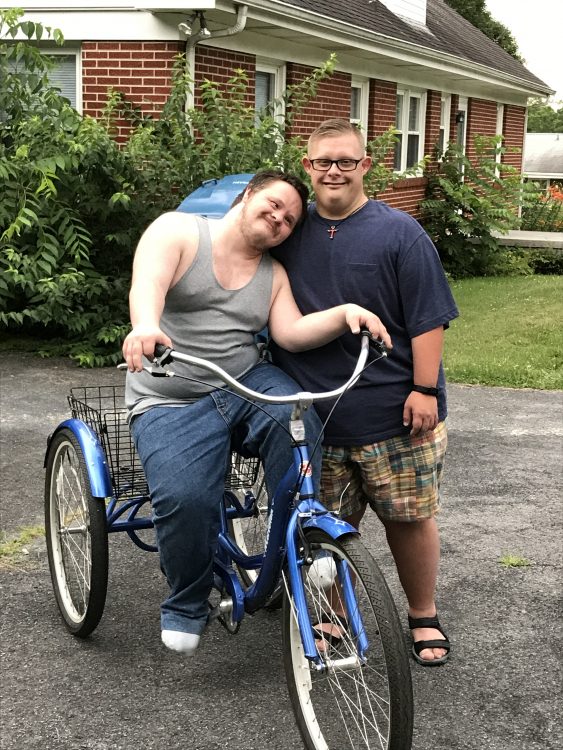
[427, 390]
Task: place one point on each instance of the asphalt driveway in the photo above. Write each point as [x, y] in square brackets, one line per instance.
[121, 690]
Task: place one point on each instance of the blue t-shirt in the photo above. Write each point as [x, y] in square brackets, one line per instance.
[382, 259]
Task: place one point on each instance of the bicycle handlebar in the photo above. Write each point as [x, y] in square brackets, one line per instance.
[164, 355]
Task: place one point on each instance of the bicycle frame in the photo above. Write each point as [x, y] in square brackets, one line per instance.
[286, 523]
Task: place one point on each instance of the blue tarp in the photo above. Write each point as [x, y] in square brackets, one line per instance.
[213, 198]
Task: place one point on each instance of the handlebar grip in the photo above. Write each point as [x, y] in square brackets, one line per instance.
[159, 350]
[376, 343]
[162, 354]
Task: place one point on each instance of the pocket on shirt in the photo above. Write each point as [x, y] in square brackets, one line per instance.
[361, 282]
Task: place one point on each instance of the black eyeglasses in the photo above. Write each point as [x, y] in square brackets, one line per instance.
[344, 165]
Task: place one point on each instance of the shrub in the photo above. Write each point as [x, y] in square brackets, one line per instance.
[467, 200]
[546, 261]
[541, 211]
[66, 219]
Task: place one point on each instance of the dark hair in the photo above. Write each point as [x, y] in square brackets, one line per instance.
[266, 176]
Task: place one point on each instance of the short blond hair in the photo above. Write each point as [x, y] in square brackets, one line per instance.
[335, 127]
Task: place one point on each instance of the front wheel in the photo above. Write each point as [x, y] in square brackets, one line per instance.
[76, 534]
[362, 695]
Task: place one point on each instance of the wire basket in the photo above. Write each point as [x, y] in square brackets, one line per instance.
[242, 472]
[103, 409]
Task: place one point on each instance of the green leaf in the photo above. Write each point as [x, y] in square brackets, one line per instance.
[22, 152]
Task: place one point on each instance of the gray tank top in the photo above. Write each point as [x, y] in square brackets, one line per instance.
[205, 320]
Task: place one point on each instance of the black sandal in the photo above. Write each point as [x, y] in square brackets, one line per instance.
[332, 639]
[418, 646]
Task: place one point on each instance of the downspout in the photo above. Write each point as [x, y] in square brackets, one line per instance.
[205, 34]
[239, 25]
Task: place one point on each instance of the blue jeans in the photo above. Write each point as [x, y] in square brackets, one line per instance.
[185, 452]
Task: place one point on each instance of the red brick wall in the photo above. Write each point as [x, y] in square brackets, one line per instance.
[513, 129]
[481, 120]
[140, 70]
[382, 110]
[332, 99]
[382, 107]
[219, 65]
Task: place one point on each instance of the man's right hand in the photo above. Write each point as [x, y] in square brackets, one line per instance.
[141, 341]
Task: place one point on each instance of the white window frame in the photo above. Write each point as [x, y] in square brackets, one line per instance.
[277, 70]
[403, 126]
[445, 118]
[362, 86]
[70, 52]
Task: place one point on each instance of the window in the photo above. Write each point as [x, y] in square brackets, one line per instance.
[64, 77]
[409, 121]
[445, 111]
[270, 87]
[359, 96]
[264, 89]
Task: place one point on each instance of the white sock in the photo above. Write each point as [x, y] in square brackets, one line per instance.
[185, 643]
[322, 572]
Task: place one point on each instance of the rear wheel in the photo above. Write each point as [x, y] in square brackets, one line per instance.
[362, 697]
[76, 534]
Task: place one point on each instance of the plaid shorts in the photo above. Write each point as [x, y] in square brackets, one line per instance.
[399, 477]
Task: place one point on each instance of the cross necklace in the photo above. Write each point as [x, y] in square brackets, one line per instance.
[333, 228]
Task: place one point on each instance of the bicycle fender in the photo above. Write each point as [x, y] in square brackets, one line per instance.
[94, 456]
[331, 525]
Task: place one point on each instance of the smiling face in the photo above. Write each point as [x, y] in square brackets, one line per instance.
[337, 192]
[269, 215]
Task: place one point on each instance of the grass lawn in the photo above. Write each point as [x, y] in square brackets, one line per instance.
[509, 332]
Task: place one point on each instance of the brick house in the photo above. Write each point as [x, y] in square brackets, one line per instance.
[415, 64]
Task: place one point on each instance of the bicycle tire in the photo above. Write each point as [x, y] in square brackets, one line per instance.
[76, 536]
[365, 705]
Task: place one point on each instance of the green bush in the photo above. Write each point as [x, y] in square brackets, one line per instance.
[546, 261]
[66, 220]
[467, 200]
[541, 211]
